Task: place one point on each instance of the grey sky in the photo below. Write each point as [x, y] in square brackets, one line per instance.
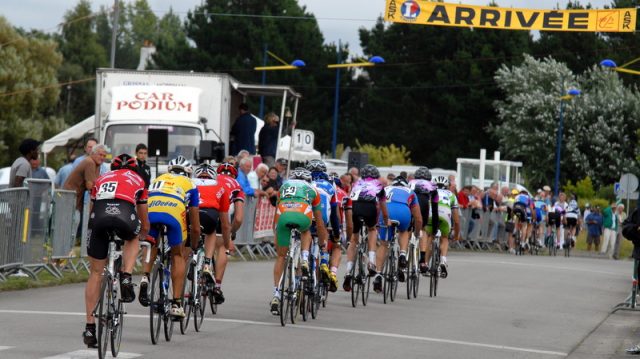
[338, 19]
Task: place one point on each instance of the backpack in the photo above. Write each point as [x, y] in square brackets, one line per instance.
[631, 227]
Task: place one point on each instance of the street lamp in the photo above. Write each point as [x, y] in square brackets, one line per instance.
[571, 93]
[372, 61]
[612, 65]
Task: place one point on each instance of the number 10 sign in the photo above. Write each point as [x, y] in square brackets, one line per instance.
[303, 140]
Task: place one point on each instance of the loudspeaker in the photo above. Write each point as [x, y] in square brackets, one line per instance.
[211, 150]
[357, 160]
[158, 142]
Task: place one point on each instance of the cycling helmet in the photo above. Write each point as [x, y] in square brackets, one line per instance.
[228, 169]
[400, 181]
[316, 166]
[370, 171]
[441, 181]
[300, 173]
[124, 161]
[423, 173]
[205, 170]
[180, 165]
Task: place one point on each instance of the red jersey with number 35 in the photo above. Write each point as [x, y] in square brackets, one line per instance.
[233, 187]
[121, 184]
[213, 194]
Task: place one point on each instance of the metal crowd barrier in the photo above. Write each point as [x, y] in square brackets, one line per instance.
[37, 249]
[62, 233]
[14, 222]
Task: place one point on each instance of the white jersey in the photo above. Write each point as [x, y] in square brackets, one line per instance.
[447, 202]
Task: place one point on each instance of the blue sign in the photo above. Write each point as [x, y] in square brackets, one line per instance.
[616, 188]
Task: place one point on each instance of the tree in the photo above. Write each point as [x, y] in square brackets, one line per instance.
[599, 136]
[28, 67]
[436, 95]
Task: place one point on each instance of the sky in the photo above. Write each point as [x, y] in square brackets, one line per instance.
[339, 20]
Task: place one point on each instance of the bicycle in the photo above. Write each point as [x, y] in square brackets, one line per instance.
[110, 310]
[434, 266]
[195, 289]
[390, 271]
[567, 243]
[359, 272]
[517, 242]
[290, 288]
[551, 241]
[412, 271]
[161, 291]
[534, 247]
[310, 300]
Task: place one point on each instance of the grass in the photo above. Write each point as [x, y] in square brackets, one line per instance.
[626, 247]
[45, 280]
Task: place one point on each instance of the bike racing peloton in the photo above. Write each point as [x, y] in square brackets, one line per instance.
[427, 193]
[447, 213]
[298, 204]
[118, 204]
[171, 196]
[214, 218]
[402, 204]
[368, 197]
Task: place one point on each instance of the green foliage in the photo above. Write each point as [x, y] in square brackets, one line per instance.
[607, 193]
[583, 188]
[28, 67]
[385, 155]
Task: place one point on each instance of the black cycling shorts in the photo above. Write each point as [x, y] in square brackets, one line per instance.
[572, 222]
[553, 219]
[424, 200]
[366, 211]
[520, 211]
[209, 220]
[117, 216]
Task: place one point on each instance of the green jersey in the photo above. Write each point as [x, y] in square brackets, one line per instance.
[299, 191]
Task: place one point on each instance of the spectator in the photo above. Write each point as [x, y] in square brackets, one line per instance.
[463, 197]
[453, 187]
[268, 139]
[272, 177]
[346, 180]
[548, 196]
[610, 224]
[85, 173]
[621, 215]
[587, 211]
[243, 131]
[270, 184]
[281, 166]
[88, 146]
[391, 176]
[243, 154]
[21, 168]
[355, 174]
[231, 160]
[256, 176]
[143, 169]
[403, 174]
[64, 172]
[38, 171]
[243, 180]
[594, 229]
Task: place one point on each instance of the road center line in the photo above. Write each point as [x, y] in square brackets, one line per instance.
[326, 329]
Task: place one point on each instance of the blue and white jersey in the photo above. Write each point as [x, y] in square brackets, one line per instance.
[402, 195]
[327, 193]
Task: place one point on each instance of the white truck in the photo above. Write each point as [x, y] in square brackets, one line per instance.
[191, 106]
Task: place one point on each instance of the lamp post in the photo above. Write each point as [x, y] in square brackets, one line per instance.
[568, 96]
[374, 60]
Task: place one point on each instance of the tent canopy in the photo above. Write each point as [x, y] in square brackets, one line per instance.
[73, 133]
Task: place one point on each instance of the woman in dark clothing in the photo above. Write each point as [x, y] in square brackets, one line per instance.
[268, 139]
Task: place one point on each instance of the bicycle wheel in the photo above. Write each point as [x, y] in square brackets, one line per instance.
[416, 279]
[285, 293]
[304, 302]
[168, 321]
[103, 322]
[156, 306]
[116, 327]
[386, 282]
[567, 246]
[355, 281]
[200, 300]
[366, 286]
[187, 302]
[296, 303]
[435, 263]
[394, 275]
[409, 272]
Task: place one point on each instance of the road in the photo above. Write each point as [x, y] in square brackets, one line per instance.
[491, 306]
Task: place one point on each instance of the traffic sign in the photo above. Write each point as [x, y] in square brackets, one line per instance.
[629, 182]
[616, 188]
[303, 140]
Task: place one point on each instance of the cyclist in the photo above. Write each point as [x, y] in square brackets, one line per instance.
[402, 204]
[329, 203]
[427, 193]
[344, 215]
[561, 207]
[368, 197]
[524, 209]
[555, 217]
[214, 218]
[447, 211]
[171, 196]
[541, 217]
[573, 219]
[118, 204]
[227, 174]
[298, 204]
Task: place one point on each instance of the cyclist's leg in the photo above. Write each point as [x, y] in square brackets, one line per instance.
[445, 228]
[97, 250]
[176, 235]
[425, 246]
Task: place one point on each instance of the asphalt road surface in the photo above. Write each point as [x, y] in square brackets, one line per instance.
[491, 306]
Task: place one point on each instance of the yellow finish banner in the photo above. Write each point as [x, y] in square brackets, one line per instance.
[423, 12]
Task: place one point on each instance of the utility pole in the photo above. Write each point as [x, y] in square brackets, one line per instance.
[114, 34]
